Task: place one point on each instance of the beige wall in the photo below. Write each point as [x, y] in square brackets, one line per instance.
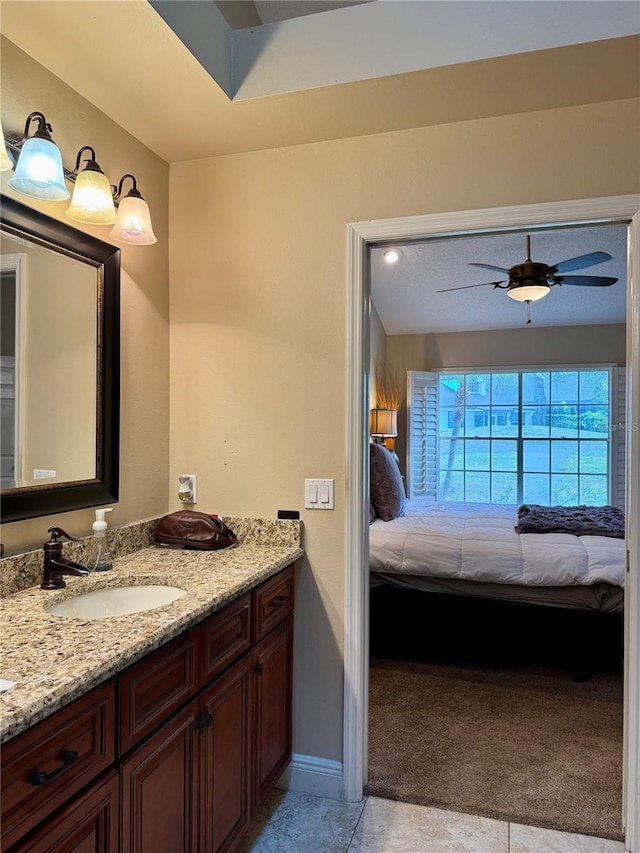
[258, 309]
[506, 347]
[60, 340]
[258, 313]
[377, 352]
[605, 344]
[144, 443]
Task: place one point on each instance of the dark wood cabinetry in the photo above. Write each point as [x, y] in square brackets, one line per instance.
[152, 689]
[89, 824]
[204, 731]
[225, 769]
[273, 686]
[159, 784]
[49, 763]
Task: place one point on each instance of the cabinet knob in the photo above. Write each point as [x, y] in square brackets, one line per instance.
[204, 721]
[278, 602]
[258, 668]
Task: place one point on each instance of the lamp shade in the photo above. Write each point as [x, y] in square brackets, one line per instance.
[384, 422]
[528, 292]
[39, 172]
[134, 222]
[92, 200]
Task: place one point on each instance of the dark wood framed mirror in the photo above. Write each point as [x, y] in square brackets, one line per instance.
[60, 401]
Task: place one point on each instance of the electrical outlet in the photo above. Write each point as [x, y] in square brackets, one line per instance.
[43, 474]
[188, 488]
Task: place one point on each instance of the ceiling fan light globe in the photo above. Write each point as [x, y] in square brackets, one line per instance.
[528, 292]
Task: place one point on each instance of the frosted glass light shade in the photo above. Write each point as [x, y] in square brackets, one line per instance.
[92, 200]
[384, 423]
[39, 172]
[528, 292]
[134, 222]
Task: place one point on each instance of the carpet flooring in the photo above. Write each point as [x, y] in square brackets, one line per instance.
[520, 743]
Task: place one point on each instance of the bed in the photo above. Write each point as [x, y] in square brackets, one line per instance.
[473, 549]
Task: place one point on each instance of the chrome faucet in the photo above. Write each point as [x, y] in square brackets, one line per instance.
[55, 565]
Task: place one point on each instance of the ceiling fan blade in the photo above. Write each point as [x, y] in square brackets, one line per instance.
[489, 267]
[467, 286]
[588, 280]
[582, 261]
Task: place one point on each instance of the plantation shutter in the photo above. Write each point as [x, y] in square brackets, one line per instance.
[618, 436]
[422, 420]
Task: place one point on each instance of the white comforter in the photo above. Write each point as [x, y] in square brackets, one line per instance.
[478, 542]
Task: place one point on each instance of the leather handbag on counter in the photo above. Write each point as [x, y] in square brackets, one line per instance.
[192, 529]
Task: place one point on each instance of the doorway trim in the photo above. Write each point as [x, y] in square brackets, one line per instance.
[356, 672]
[17, 264]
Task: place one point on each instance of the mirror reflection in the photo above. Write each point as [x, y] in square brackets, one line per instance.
[48, 365]
[60, 401]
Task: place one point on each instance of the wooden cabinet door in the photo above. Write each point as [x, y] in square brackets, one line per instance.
[159, 783]
[43, 767]
[225, 799]
[88, 824]
[272, 708]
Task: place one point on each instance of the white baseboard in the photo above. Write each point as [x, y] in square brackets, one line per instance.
[310, 775]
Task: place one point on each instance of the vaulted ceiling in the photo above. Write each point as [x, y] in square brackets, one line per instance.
[415, 295]
[240, 14]
[361, 69]
[194, 78]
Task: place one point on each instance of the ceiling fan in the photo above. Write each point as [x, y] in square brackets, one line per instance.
[532, 280]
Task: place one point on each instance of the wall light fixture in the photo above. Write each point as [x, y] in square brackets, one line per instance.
[134, 219]
[92, 200]
[39, 173]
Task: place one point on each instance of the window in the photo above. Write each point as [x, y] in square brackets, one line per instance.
[516, 436]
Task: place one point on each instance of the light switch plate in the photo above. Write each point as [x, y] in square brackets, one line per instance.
[318, 494]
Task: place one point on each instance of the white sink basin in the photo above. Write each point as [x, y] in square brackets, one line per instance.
[116, 601]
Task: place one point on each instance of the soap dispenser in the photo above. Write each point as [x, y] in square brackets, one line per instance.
[100, 559]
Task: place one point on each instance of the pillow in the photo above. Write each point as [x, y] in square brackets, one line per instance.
[372, 513]
[387, 489]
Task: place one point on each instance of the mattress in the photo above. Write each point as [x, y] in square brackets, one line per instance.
[603, 597]
[478, 543]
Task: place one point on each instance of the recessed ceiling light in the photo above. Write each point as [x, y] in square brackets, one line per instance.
[392, 256]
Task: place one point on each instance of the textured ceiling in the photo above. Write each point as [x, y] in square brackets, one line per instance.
[406, 298]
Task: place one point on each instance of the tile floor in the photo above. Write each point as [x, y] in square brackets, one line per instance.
[290, 822]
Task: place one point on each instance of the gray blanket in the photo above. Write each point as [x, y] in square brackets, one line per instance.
[577, 520]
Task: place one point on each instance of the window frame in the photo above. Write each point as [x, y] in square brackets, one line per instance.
[613, 412]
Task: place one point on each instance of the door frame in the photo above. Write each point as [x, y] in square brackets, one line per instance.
[356, 671]
[17, 264]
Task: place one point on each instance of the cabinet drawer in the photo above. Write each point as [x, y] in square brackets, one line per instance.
[273, 602]
[88, 824]
[225, 637]
[53, 760]
[157, 686]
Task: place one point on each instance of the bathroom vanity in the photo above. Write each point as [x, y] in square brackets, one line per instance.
[167, 733]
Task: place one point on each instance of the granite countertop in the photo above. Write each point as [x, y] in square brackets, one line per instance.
[55, 659]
